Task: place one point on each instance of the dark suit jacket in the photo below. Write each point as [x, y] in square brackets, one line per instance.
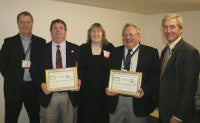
[179, 82]
[11, 56]
[148, 64]
[45, 62]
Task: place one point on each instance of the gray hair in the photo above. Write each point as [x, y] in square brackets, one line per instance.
[174, 16]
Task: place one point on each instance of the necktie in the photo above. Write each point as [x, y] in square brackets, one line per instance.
[127, 64]
[58, 57]
[165, 60]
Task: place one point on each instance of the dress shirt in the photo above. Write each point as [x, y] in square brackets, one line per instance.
[134, 58]
[25, 44]
[63, 53]
[173, 44]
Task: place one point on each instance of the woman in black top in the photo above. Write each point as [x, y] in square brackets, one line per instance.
[95, 66]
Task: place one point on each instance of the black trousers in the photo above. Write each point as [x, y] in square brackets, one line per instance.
[31, 104]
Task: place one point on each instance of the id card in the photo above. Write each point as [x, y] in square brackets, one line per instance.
[26, 64]
[106, 54]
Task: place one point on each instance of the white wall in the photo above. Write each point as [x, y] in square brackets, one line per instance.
[191, 32]
[79, 18]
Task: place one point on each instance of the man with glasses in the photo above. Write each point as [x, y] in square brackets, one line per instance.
[142, 58]
[60, 106]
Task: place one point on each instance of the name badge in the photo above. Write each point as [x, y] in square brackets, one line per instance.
[106, 54]
[26, 64]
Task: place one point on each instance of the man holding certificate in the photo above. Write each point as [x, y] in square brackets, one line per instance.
[58, 95]
[136, 57]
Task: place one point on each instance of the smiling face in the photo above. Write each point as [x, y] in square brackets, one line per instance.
[25, 25]
[171, 30]
[58, 32]
[130, 37]
[96, 35]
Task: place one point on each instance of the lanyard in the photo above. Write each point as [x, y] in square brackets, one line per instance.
[28, 49]
[124, 59]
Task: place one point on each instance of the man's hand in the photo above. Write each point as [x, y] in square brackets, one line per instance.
[141, 93]
[174, 120]
[79, 85]
[110, 93]
[44, 88]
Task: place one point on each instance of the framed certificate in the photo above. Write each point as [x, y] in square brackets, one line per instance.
[125, 82]
[61, 79]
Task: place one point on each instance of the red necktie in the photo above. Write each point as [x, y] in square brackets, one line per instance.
[58, 57]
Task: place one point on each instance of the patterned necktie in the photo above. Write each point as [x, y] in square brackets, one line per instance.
[165, 60]
[127, 64]
[58, 57]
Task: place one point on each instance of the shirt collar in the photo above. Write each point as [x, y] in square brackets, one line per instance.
[171, 46]
[22, 38]
[63, 44]
[134, 48]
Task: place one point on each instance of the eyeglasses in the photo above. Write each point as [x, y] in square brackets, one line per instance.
[131, 35]
[58, 28]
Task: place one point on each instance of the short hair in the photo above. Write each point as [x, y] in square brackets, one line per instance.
[128, 25]
[98, 26]
[58, 21]
[26, 13]
[174, 16]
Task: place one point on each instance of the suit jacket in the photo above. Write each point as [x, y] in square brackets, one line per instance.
[11, 55]
[148, 64]
[44, 62]
[179, 82]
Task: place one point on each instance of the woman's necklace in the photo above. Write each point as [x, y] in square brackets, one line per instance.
[96, 49]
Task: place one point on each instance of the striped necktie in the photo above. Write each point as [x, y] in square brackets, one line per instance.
[127, 64]
[58, 57]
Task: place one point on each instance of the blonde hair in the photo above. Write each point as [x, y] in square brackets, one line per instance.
[98, 26]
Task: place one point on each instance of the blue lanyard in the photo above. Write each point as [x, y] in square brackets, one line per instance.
[129, 59]
[28, 49]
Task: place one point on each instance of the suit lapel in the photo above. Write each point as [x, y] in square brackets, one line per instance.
[48, 54]
[68, 51]
[140, 59]
[21, 49]
[120, 53]
[173, 56]
[32, 45]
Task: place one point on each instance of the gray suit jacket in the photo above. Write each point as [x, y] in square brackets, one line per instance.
[178, 83]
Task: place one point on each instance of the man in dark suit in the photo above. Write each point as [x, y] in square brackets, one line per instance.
[57, 106]
[145, 59]
[179, 74]
[16, 55]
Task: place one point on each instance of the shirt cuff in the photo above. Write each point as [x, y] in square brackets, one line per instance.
[177, 118]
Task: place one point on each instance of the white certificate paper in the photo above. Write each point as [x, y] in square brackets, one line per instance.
[62, 79]
[125, 82]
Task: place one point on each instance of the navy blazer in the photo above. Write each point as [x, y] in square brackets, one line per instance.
[179, 82]
[44, 62]
[148, 64]
[11, 55]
